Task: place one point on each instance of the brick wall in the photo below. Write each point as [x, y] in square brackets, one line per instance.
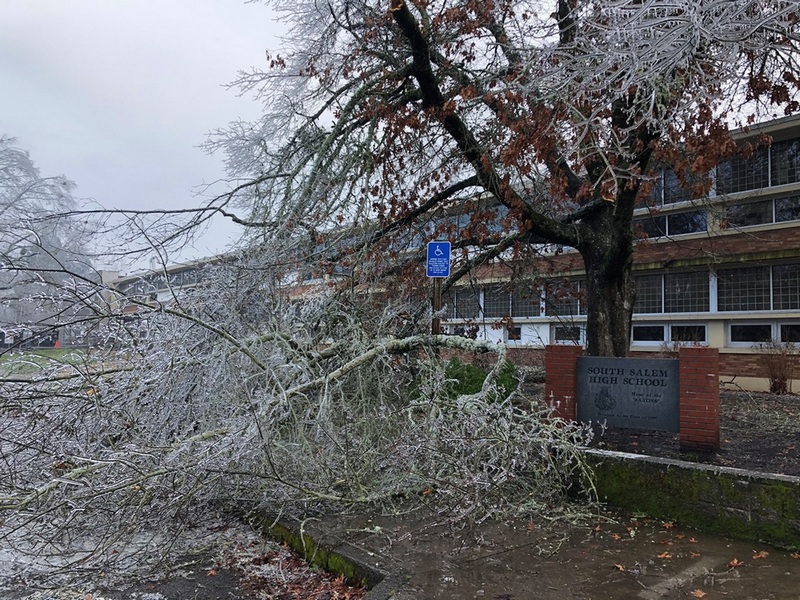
[699, 391]
[560, 383]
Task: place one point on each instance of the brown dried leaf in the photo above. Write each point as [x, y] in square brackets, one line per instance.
[699, 594]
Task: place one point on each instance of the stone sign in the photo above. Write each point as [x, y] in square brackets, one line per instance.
[637, 393]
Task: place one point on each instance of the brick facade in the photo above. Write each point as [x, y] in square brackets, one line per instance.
[560, 384]
[699, 385]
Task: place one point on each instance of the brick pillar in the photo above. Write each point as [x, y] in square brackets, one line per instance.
[699, 385]
[560, 383]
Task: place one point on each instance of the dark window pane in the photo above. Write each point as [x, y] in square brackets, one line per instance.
[657, 194]
[526, 300]
[562, 298]
[752, 213]
[648, 333]
[648, 294]
[751, 333]
[785, 162]
[465, 304]
[686, 292]
[688, 222]
[673, 192]
[651, 226]
[743, 289]
[496, 301]
[563, 333]
[787, 209]
[688, 333]
[740, 174]
[786, 282]
[790, 333]
[514, 333]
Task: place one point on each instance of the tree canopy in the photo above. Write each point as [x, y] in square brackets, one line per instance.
[386, 116]
[43, 257]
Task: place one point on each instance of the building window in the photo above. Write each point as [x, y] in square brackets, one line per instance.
[790, 333]
[459, 330]
[786, 283]
[743, 289]
[686, 292]
[693, 221]
[649, 298]
[667, 188]
[653, 334]
[526, 301]
[464, 304]
[785, 162]
[513, 334]
[750, 333]
[653, 226]
[764, 211]
[787, 209]
[750, 213]
[688, 334]
[741, 174]
[648, 333]
[496, 301]
[673, 191]
[563, 298]
[567, 334]
[764, 332]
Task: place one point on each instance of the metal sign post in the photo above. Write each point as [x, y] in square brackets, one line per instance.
[438, 268]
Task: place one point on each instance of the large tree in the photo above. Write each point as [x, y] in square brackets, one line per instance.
[44, 267]
[384, 123]
[386, 116]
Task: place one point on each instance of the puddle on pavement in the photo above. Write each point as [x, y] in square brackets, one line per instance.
[624, 559]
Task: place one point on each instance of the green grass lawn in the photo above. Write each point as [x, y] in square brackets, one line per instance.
[31, 361]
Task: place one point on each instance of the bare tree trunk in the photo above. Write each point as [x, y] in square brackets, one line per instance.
[610, 294]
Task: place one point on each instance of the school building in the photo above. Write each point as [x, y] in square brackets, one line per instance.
[721, 271]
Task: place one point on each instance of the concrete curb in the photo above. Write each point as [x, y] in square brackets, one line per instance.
[734, 502]
[382, 576]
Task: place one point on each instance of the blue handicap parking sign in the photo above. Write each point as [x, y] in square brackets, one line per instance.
[438, 259]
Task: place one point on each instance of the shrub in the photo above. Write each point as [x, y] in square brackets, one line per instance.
[778, 360]
[466, 378]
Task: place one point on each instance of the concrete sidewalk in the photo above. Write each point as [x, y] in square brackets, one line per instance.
[613, 558]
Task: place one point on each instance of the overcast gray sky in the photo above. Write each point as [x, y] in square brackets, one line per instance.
[118, 94]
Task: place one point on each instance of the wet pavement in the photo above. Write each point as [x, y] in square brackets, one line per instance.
[613, 558]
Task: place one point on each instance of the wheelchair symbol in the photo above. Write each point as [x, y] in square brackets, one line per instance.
[438, 251]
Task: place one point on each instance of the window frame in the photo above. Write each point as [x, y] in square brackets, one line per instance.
[668, 334]
[581, 341]
[748, 323]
